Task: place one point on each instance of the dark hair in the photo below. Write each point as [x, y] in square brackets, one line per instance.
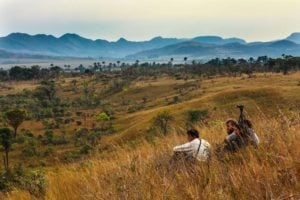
[193, 132]
[234, 123]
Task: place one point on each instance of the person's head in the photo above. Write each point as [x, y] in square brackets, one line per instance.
[232, 125]
[192, 134]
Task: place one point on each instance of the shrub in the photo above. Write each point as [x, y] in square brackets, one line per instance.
[195, 116]
[29, 149]
[48, 137]
[34, 181]
[86, 149]
[48, 151]
[71, 156]
[162, 121]
[79, 135]
[151, 135]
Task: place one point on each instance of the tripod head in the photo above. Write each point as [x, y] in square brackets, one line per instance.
[241, 107]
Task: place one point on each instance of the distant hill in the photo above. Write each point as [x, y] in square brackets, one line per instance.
[294, 37]
[201, 50]
[217, 40]
[77, 46]
[10, 55]
[73, 45]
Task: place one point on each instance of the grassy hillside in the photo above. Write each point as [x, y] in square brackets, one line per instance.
[133, 161]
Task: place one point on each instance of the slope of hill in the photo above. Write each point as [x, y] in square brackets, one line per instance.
[294, 37]
[134, 163]
[201, 50]
[75, 45]
[10, 55]
[217, 40]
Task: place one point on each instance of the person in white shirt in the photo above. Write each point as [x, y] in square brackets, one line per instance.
[196, 148]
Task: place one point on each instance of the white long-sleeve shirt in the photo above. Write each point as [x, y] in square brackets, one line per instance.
[191, 149]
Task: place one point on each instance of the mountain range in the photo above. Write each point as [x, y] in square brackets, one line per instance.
[72, 45]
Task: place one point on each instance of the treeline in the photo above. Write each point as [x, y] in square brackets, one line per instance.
[226, 66]
[31, 73]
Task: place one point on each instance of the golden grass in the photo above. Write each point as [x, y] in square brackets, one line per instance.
[270, 172]
[133, 168]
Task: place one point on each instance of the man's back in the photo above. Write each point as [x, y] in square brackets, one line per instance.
[199, 149]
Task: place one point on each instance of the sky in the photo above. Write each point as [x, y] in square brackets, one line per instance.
[253, 20]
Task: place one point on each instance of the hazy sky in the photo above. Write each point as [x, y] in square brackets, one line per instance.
[143, 19]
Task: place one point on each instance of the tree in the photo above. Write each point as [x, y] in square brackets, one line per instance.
[6, 141]
[162, 121]
[46, 89]
[15, 118]
[171, 61]
[185, 59]
[103, 118]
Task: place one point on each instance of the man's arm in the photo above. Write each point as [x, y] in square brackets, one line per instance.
[183, 148]
[231, 137]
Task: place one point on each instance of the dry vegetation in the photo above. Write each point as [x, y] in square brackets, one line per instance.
[134, 164]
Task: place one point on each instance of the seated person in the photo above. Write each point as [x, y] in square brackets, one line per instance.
[234, 140]
[196, 148]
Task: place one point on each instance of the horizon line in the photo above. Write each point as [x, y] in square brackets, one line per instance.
[151, 38]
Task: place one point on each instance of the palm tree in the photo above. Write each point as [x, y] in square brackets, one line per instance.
[185, 59]
[137, 63]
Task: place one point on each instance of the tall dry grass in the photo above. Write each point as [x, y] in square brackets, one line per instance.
[270, 172]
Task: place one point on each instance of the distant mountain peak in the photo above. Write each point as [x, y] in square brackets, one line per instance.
[214, 39]
[294, 37]
[157, 38]
[17, 35]
[72, 44]
[70, 36]
[122, 40]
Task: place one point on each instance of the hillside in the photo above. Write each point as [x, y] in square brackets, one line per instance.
[77, 46]
[73, 45]
[294, 37]
[237, 50]
[133, 162]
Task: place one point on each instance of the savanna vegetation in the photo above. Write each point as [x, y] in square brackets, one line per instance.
[106, 131]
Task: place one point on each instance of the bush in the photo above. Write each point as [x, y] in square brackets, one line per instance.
[48, 137]
[48, 151]
[79, 135]
[29, 149]
[195, 116]
[34, 181]
[71, 156]
[162, 121]
[151, 135]
[86, 149]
